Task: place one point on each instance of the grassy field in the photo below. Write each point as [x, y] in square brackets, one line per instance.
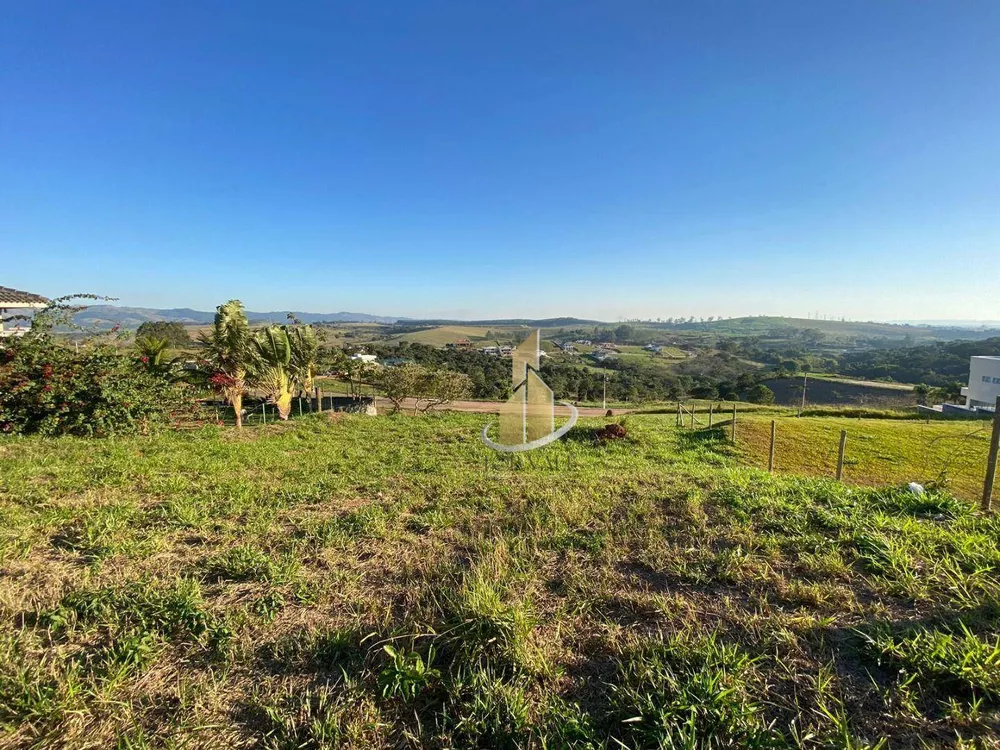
[389, 582]
[879, 451]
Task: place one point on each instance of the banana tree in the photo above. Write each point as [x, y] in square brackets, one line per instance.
[305, 352]
[230, 354]
[273, 370]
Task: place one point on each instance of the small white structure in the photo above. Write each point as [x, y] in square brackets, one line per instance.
[14, 299]
[366, 358]
[984, 383]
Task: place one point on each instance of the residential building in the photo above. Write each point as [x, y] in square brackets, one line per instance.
[984, 383]
[19, 302]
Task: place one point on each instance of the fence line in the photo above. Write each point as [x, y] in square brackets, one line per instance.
[687, 414]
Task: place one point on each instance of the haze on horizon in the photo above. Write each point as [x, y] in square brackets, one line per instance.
[471, 161]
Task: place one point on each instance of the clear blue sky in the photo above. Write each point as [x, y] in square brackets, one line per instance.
[479, 159]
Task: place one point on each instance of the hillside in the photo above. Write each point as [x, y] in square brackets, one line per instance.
[107, 316]
[355, 581]
[531, 322]
[779, 327]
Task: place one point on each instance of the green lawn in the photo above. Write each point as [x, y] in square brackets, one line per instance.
[223, 589]
[878, 451]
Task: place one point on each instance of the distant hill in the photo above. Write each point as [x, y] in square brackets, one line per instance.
[534, 322]
[107, 316]
[779, 327]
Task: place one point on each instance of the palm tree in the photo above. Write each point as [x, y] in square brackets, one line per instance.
[230, 353]
[273, 371]
[152, 353]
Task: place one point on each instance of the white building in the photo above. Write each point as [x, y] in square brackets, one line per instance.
[984, 382]
[365, 358]
[20, 302]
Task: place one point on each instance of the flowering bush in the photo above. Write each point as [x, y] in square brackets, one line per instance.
[49, 389]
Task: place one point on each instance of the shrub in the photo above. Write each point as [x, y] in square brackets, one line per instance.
[49, 389]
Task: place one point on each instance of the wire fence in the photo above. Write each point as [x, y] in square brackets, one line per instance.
[957, 455]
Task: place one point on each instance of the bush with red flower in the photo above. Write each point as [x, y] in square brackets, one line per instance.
[50, 389]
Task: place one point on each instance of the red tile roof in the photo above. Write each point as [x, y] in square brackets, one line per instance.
[17, 297]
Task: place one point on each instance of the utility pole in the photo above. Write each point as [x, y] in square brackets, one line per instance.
[805, 383]
[604, 402]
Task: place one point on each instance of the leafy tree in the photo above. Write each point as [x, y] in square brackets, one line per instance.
[442, 387]
[399, 383]
[230, 354]
[428, 388]
[760, 394]
[623, 334]
[176, 334]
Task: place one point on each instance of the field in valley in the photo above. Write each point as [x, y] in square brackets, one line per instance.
[389, 582]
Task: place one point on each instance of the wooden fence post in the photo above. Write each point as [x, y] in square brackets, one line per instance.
[692, 416]
[840, 455]
[711, 407]
[991, 463]
[679, 424]
[734, 423]
[770, 453]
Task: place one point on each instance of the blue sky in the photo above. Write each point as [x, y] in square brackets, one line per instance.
[486, 159]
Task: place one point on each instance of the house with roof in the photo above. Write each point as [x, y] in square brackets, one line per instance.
[16, 301]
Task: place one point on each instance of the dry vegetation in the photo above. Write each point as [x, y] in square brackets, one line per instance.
[389, 582]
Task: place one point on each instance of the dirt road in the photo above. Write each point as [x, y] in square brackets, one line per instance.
[493, 407]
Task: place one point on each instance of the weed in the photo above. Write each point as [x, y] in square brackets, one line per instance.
[407, 674]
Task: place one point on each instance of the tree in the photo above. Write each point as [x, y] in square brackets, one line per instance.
[428, 388]
[760, 394]
[273, 365]
[442, 387]
[175, 333]
[230, 354]
[399, 383]
[624, 334]
[922, 391]
[305, 355]
[152, 353]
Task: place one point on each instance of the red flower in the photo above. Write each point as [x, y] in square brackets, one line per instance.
[145, 360]
[220, 380]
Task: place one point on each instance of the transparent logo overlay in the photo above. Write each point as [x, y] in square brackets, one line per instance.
[527, 419]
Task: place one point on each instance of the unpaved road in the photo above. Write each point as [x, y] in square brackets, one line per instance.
[493, 407]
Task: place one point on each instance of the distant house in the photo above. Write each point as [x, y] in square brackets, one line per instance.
[655, 348]
[366, 358]
[602, 355]
[585, 342]
[609, 346]
[463, 344]
[567, 347]
[497, 351]
[14, 299]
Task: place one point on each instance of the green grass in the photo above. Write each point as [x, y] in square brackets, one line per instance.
[390, 582]
[879, 451]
